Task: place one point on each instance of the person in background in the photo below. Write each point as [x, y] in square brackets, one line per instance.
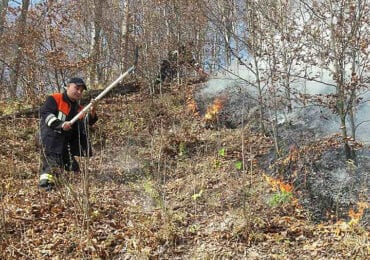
[168, 68]
[61, 141]
[183, 56]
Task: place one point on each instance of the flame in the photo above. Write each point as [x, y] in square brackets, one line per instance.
[213, 110]
[278, 184]
[356, 216]
[342, 226]
[192, 106]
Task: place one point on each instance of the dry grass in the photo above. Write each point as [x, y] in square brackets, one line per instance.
[160, 185]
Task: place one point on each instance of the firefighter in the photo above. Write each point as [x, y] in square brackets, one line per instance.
[181, 57]
[168, 68]
[62, 141]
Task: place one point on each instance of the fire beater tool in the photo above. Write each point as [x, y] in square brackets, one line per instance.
[106, 90]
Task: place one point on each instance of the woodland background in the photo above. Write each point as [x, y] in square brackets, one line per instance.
[195, 167]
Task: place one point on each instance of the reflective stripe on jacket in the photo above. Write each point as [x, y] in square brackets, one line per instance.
[57, 109]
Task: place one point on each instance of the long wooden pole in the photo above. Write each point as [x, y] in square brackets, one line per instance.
[102, 94]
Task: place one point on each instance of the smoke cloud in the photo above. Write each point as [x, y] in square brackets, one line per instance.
[238, 78]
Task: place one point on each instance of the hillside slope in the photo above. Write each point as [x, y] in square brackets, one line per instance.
[162, 185]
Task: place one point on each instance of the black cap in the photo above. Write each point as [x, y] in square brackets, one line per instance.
[78, 82]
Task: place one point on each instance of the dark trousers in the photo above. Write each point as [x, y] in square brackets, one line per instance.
[54, 164]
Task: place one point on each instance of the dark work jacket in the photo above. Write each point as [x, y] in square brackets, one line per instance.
[57, 109]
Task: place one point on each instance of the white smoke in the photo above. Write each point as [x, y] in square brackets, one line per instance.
[320, 118]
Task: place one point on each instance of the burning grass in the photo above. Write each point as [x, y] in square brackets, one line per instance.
[189, 198]
[214, 109]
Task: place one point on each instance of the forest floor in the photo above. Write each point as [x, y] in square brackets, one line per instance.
[162, 184]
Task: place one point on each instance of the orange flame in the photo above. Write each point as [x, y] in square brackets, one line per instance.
[356, 216]
[192, 106]
[278, 184]
[213, 110]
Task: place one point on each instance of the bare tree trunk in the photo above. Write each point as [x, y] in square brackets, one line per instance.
[358, 13]
[3, 11]
[52, 41]
[254, 47]
[95, 42]
[22, 24]
[176, 8]
[352, 111]
[227, 9]
[287, 87]
[261, 102]
[125, 23]
[342, 109]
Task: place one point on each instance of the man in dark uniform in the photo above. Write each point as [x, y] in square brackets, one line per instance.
[60, 139]
[168, 69]
[181, 57]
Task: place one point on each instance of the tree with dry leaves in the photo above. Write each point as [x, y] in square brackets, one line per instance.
[337, 33]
